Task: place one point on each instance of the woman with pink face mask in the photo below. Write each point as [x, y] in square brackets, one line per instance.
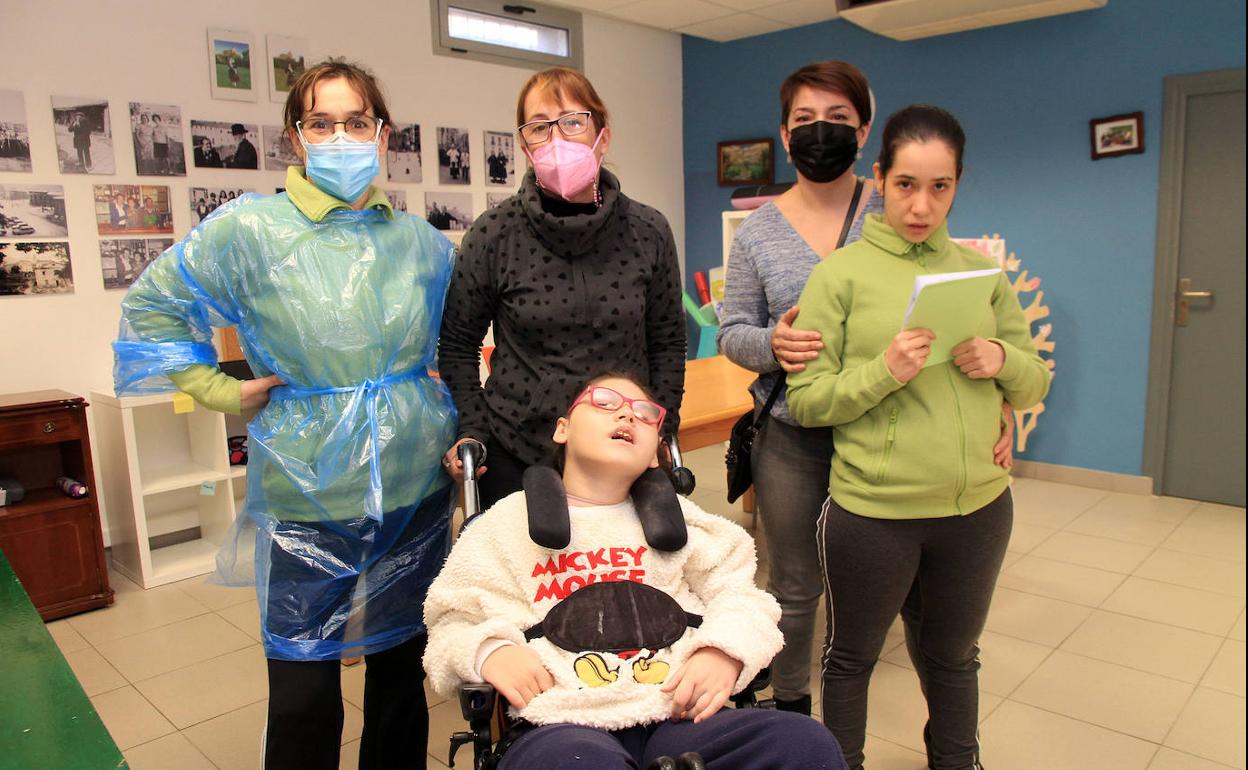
[575, 278]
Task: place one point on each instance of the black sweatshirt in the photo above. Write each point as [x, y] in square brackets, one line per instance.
[570, 297]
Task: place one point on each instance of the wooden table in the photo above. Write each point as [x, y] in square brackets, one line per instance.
[716, 394]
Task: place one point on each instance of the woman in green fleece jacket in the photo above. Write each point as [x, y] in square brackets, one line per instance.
[915, 497]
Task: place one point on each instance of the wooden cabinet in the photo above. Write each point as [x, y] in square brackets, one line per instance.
[52, 541]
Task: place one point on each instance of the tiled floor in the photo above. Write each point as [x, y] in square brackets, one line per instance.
[1116, 640]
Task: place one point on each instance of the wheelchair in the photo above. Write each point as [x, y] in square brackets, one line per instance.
[491, 732]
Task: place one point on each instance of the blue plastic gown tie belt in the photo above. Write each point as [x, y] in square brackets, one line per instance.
[368, 391]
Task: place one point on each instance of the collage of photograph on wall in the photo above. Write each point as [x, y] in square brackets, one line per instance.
[34, 235]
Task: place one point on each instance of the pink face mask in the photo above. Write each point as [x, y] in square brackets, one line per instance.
[566, 168]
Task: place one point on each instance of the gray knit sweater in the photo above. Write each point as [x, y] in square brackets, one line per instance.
[767, 269]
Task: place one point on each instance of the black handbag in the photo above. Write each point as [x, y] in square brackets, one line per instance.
[741, 443]
[745, 430]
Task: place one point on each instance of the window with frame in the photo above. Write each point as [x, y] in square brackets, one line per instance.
[521, 34]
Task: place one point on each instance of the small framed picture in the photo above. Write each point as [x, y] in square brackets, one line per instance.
[1117, 135]
[746, 161]
[287, 61]
[230, 64]
[14, 134]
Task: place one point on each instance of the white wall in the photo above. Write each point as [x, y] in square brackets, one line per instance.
[156, 52]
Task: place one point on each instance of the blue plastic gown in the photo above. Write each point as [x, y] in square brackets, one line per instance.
[346, 498]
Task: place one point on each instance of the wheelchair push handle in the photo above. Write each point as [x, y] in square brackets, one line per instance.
[472, 455]
[682, 477]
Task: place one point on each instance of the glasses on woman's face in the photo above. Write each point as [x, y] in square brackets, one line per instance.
[609, 400]
[539, 131]
[362, 128]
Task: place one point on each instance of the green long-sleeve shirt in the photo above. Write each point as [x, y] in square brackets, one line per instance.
[921, 449]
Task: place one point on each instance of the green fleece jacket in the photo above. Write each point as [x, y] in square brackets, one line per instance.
[921, 449]
[212, 387]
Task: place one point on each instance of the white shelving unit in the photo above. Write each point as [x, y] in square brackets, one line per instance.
[732, 219]
[165, 473]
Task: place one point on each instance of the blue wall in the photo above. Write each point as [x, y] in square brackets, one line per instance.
[1024, 93]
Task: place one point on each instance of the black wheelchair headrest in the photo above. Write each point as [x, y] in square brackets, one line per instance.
[658, 507]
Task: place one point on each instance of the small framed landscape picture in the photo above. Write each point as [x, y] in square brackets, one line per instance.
[287, 60]
[230, 55]
[746, 161]
[1117, 135]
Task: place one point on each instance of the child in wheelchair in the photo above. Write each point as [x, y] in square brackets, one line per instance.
[615, 617]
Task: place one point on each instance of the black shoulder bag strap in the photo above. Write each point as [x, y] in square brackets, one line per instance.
[849, 221]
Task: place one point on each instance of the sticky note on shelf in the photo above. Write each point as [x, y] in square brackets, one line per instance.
[207, 488]
[183, 403]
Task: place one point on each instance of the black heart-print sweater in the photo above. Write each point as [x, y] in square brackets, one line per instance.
[570, 295]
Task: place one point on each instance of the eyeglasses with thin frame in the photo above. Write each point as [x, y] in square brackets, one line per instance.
[362, 128]
[571, 124]
[608, 400]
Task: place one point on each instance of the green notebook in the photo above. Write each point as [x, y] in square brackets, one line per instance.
[952, 305]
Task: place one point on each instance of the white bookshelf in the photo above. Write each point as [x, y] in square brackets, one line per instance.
[732, 219]
[165, 473]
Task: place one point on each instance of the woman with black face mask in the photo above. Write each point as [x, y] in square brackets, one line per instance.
[825, 118]
[826, 110]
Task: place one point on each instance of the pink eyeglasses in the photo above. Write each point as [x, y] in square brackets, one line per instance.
[609, 400]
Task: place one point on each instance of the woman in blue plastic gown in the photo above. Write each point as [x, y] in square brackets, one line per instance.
[338, 300]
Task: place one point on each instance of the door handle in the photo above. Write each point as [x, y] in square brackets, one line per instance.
[1183, 298]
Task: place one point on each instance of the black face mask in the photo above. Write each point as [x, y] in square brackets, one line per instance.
[822, 151]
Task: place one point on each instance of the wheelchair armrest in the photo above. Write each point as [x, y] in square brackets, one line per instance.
[477, 702]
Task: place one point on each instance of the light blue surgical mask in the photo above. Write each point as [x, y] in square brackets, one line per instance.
[342, 166]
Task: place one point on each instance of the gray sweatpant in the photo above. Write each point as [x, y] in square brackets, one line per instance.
[791, 467]
[943, 570]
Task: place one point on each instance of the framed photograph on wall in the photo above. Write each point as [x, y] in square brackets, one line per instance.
[32, 211]
[131, 209]
[157, 133]
[225, 145]
[205, 200]
[41, 267]
[453, 164]
[449, 210]
[1117, 135]
[84, 135]
[230, 65]
[403, 153]
[287, 60]
[500, 158]
[14, 134]
[746, 161]
[123, 259]
[279, 152]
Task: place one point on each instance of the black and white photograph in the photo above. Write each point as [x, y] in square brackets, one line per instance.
[398, 199]
[279, 152]
[84, 137]
[205, 200]
[493, 199]
[453, 166]
[448, 211]
[35, 268]
[131, 209]
[157, 132]
[14, 134]
[32, 210]
[500, 158]
[230, 64]
[225, 145]
[121, 260]
[287, 61]
[403, 153]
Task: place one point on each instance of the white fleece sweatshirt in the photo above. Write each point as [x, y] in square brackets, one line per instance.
[497, 583]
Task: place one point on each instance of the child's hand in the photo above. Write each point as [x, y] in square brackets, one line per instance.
[702, 686]
[517, 674]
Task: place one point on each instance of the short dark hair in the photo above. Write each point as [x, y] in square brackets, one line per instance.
[836, 76]
[920, 123]
[360, 79]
